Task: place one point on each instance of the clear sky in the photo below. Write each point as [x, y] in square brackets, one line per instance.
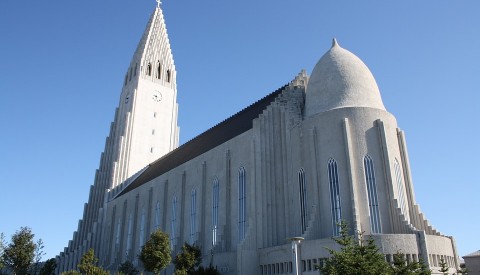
[63, 63]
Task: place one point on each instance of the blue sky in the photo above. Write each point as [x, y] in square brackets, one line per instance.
[63, 62]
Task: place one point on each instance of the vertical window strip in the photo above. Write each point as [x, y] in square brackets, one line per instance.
[215, 197]
[173, 222]
[242, 196]
[129, 233]
[334, 196]
[193, 215]
[400, 189]
[142, 227]
[117, 237]
[372, 195]
[303, 199]
[157, 215]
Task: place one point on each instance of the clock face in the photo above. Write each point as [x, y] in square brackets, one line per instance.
[157, 96]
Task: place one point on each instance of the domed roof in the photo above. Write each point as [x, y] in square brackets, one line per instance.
[341, 79]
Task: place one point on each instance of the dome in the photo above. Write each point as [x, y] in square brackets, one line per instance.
[340, 79]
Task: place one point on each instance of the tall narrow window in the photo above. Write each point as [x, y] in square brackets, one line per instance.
[149, 69]
[135, 71]
[168, 76]
[129, 234]
[117, 237]
[400, 189]
[303, 199]
[157, 215]
[242, 204]
[215, 199]
[334, 196]
[142, 228]
[131, 74]
[372, 195]
[159, 70]
[193, 215]
[173, 222]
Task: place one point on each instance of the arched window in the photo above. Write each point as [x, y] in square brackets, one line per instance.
[372, 195]
[303, 199]
[193, 215]
[215, 202]
[173, 223]
[242, 204]
[400, 189]
[168, 76]
[135, 71]
[142, 228]
[159, 70]
[126, 79]
[336, 208]
[149, 69]
[157, 215]
[131, 74]
[129, 234]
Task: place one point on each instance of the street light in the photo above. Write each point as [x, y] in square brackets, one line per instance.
[295, 243]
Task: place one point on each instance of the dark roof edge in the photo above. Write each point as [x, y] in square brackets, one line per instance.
[218, 134]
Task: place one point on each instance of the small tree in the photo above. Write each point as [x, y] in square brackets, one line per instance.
[401, 267]
[3, 244]
[443, 266]
[88, 264]
[49, 267]
[127, 268]
[355, 256]
[20, 253]
[188, 260]
[38, 254]
[155, 254]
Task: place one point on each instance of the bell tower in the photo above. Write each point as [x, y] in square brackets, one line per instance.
[144, 129]
[146, 118]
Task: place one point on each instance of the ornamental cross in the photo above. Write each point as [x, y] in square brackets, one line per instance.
[158, 3]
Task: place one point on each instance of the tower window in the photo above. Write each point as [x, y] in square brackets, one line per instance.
[372, 195]
[168, 76]
[242, 204]
[126, 79]
[135, 71]
[131, 72]
[336, 208]
[153, 131]
[149, 69]
[303, 199]
[159, 70]
[154, 114]
[400, 189]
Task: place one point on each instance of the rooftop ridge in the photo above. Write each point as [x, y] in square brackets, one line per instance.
[223, 131]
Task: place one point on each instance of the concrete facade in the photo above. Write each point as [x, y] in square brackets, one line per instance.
[316, 151]
[472, 262]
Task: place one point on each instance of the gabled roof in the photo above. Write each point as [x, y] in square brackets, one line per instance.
[474, 254]
[222, 132]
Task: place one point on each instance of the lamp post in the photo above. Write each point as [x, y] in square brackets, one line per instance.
[295, 244]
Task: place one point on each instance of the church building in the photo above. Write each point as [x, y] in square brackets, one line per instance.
[319, 150]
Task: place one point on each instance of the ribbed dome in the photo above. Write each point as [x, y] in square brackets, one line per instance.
[341, 79]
